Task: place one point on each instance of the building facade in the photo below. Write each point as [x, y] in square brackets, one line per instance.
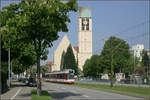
[62, 47]
[137, 50]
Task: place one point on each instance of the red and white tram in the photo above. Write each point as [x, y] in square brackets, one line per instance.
[65, 76]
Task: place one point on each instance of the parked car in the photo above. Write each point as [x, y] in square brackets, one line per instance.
[25, 80]
[32, 82]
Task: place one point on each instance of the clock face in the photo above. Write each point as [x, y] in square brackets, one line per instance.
[85, 22]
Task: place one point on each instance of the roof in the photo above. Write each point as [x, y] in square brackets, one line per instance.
[85, 12]
[61, 45]
[76, 48]
[61, 72]
[48, 63]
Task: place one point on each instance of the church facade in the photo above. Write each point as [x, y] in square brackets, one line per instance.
[84, 49]
[62, 47]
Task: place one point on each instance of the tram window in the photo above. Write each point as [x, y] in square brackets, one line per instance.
[61, 76]
[58, 76]
[65, 76]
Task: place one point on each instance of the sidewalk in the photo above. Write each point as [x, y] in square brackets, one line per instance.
[115, 84]
[19, 91]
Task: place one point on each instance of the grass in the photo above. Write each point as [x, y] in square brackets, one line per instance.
[127, 90]
[44, 95]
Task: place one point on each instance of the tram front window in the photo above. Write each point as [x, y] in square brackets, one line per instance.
[70, 76]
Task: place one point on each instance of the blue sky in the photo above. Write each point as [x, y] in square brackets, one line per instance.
[128, 20]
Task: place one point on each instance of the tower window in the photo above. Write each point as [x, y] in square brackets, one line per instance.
[83, 21]
[87, 28]
[85, 24]
[82, 24]
[82, 28]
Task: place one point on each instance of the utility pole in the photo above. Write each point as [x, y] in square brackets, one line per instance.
[0, 58]
[112, 69]
[11, 73]
[112, 61]
[9, 66]
[112, 66]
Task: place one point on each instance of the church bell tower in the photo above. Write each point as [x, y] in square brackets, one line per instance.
[84, 35]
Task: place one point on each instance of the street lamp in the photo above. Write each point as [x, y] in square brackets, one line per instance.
[9, 65]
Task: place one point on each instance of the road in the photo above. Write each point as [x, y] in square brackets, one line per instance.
[69, 92]
[19, 92]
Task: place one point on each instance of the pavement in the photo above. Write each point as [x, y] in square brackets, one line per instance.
[115, 84]
[19, 91]
[69, 92]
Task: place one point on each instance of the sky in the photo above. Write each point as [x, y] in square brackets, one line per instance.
[128, 20]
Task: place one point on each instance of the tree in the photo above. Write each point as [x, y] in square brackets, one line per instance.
[69, 60]
[38, 22]
[62, 60]
[4, 68]
[131, 64]
[114, 56]
[44, 69]
[91, 67]
[139, 70]
[21, 53]
[86, 68]
[145, 60]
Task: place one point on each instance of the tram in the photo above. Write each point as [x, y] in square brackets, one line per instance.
[65, 76]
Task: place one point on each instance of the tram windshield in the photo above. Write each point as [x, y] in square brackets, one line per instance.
[70, 76]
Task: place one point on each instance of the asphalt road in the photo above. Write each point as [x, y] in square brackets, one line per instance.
[61, 91]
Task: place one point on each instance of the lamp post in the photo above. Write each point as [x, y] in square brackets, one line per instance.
[9, 65]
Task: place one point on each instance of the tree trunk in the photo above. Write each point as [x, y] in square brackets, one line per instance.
[38, 77]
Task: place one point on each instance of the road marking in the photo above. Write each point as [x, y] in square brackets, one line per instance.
[16, 94]
[85, 96]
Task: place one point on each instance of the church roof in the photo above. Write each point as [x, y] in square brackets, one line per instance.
[63, 43]
[48, 63]
[85, 12]
[76, 48]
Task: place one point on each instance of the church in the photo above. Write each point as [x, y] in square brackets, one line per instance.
[84, 49]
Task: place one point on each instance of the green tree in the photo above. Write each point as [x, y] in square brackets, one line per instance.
[131, 64]
[21, 53]
[139, 70]
[4, 61]
[44, 69]
[145, 60]
[38, 22]
[4, 68]
[114, 56]
[91, 67]
[69, 60]
[62, 60]
[86, 68]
